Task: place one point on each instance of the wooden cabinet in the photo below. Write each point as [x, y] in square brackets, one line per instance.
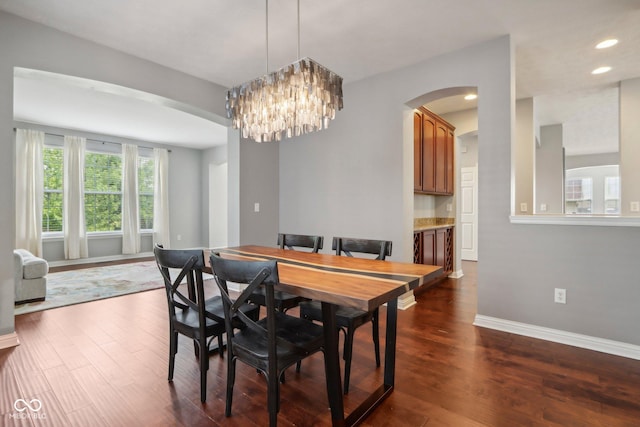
[432, 154]
[434, 247]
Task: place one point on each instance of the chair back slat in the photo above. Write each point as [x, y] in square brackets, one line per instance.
[292, 241]
[254, 274]
[347, 246]
[190, 263]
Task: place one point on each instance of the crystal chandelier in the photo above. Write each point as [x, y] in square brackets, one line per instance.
[299, 98]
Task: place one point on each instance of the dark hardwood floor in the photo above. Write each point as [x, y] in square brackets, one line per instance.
[104, 363]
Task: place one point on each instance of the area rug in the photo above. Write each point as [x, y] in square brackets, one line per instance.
[89, 284]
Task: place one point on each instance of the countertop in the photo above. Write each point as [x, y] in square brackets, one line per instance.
[423, 224]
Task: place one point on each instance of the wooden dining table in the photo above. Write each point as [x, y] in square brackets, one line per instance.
[339, 280]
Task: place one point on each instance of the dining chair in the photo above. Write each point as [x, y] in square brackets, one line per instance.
[269, 345]
[349, 319]
[187, 313]
[283, 300]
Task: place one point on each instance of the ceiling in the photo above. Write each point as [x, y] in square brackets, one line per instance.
[224, 41]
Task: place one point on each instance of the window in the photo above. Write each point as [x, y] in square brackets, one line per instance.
[145, 192]
[103, 192]
[612, 195]
[578, 195]
[52, 201]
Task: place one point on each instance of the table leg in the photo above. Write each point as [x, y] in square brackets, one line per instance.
[390, 343]
[332, 364]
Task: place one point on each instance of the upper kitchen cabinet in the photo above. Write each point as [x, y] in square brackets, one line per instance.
[433, 154]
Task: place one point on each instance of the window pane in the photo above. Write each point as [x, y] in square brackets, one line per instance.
[102, 192]
[52, 201]
[103, 212]
[52, 212]
[145, 192]
[103, 173]
[578, 195]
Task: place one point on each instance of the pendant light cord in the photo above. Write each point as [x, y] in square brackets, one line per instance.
[298, 29]
[266, 27]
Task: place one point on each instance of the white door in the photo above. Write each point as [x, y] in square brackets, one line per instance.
[469, 213]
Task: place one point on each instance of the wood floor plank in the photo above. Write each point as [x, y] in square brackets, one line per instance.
[105, 363]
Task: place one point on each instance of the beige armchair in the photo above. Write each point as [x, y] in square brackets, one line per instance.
[30, 277]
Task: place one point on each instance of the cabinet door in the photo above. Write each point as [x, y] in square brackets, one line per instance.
[442, 134]
[417, 248]
[428, 154]
[440, 246]
[449, 162]
[428, 247]
[417, 151]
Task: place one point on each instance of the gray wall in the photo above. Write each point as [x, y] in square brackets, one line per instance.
[30, 45]
[583, 161]
[351, 178]
[357, 178]
[549, 182]
[259, 175]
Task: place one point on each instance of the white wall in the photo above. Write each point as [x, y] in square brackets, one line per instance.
[523, 156]
[629, 143]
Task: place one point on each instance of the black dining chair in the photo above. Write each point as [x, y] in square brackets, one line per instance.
[349, 319]
[187, 313]
[269, 345]
[283, 300]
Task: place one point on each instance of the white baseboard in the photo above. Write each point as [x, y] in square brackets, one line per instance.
[99, 259]
[456, 274]
[563, 337]
[406, 300]
[9, 340]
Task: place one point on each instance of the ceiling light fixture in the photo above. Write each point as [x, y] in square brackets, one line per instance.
[607, 43]
[470, 97]
[601, 70]
[299, 98]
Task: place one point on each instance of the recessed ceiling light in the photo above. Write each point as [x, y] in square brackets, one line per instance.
[601, 70]
[607, 43]
[470, 97]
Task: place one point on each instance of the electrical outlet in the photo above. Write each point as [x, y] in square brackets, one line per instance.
[634, 207]
[543, 207]
[256, 207]
[560, 296]
[179, 237]
[523, 207]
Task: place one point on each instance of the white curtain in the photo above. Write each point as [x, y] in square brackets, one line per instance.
[130, 202]
[161, 197]
[29, 190]
[75, 233]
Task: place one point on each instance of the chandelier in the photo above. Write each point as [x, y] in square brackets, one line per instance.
[299, 98]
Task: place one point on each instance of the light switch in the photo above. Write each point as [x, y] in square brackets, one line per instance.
[256, 207]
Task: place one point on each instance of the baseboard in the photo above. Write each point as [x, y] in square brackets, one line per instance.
[109, 258]
[9, 340]
[456, 274]
[563, 337]
[406, 300]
